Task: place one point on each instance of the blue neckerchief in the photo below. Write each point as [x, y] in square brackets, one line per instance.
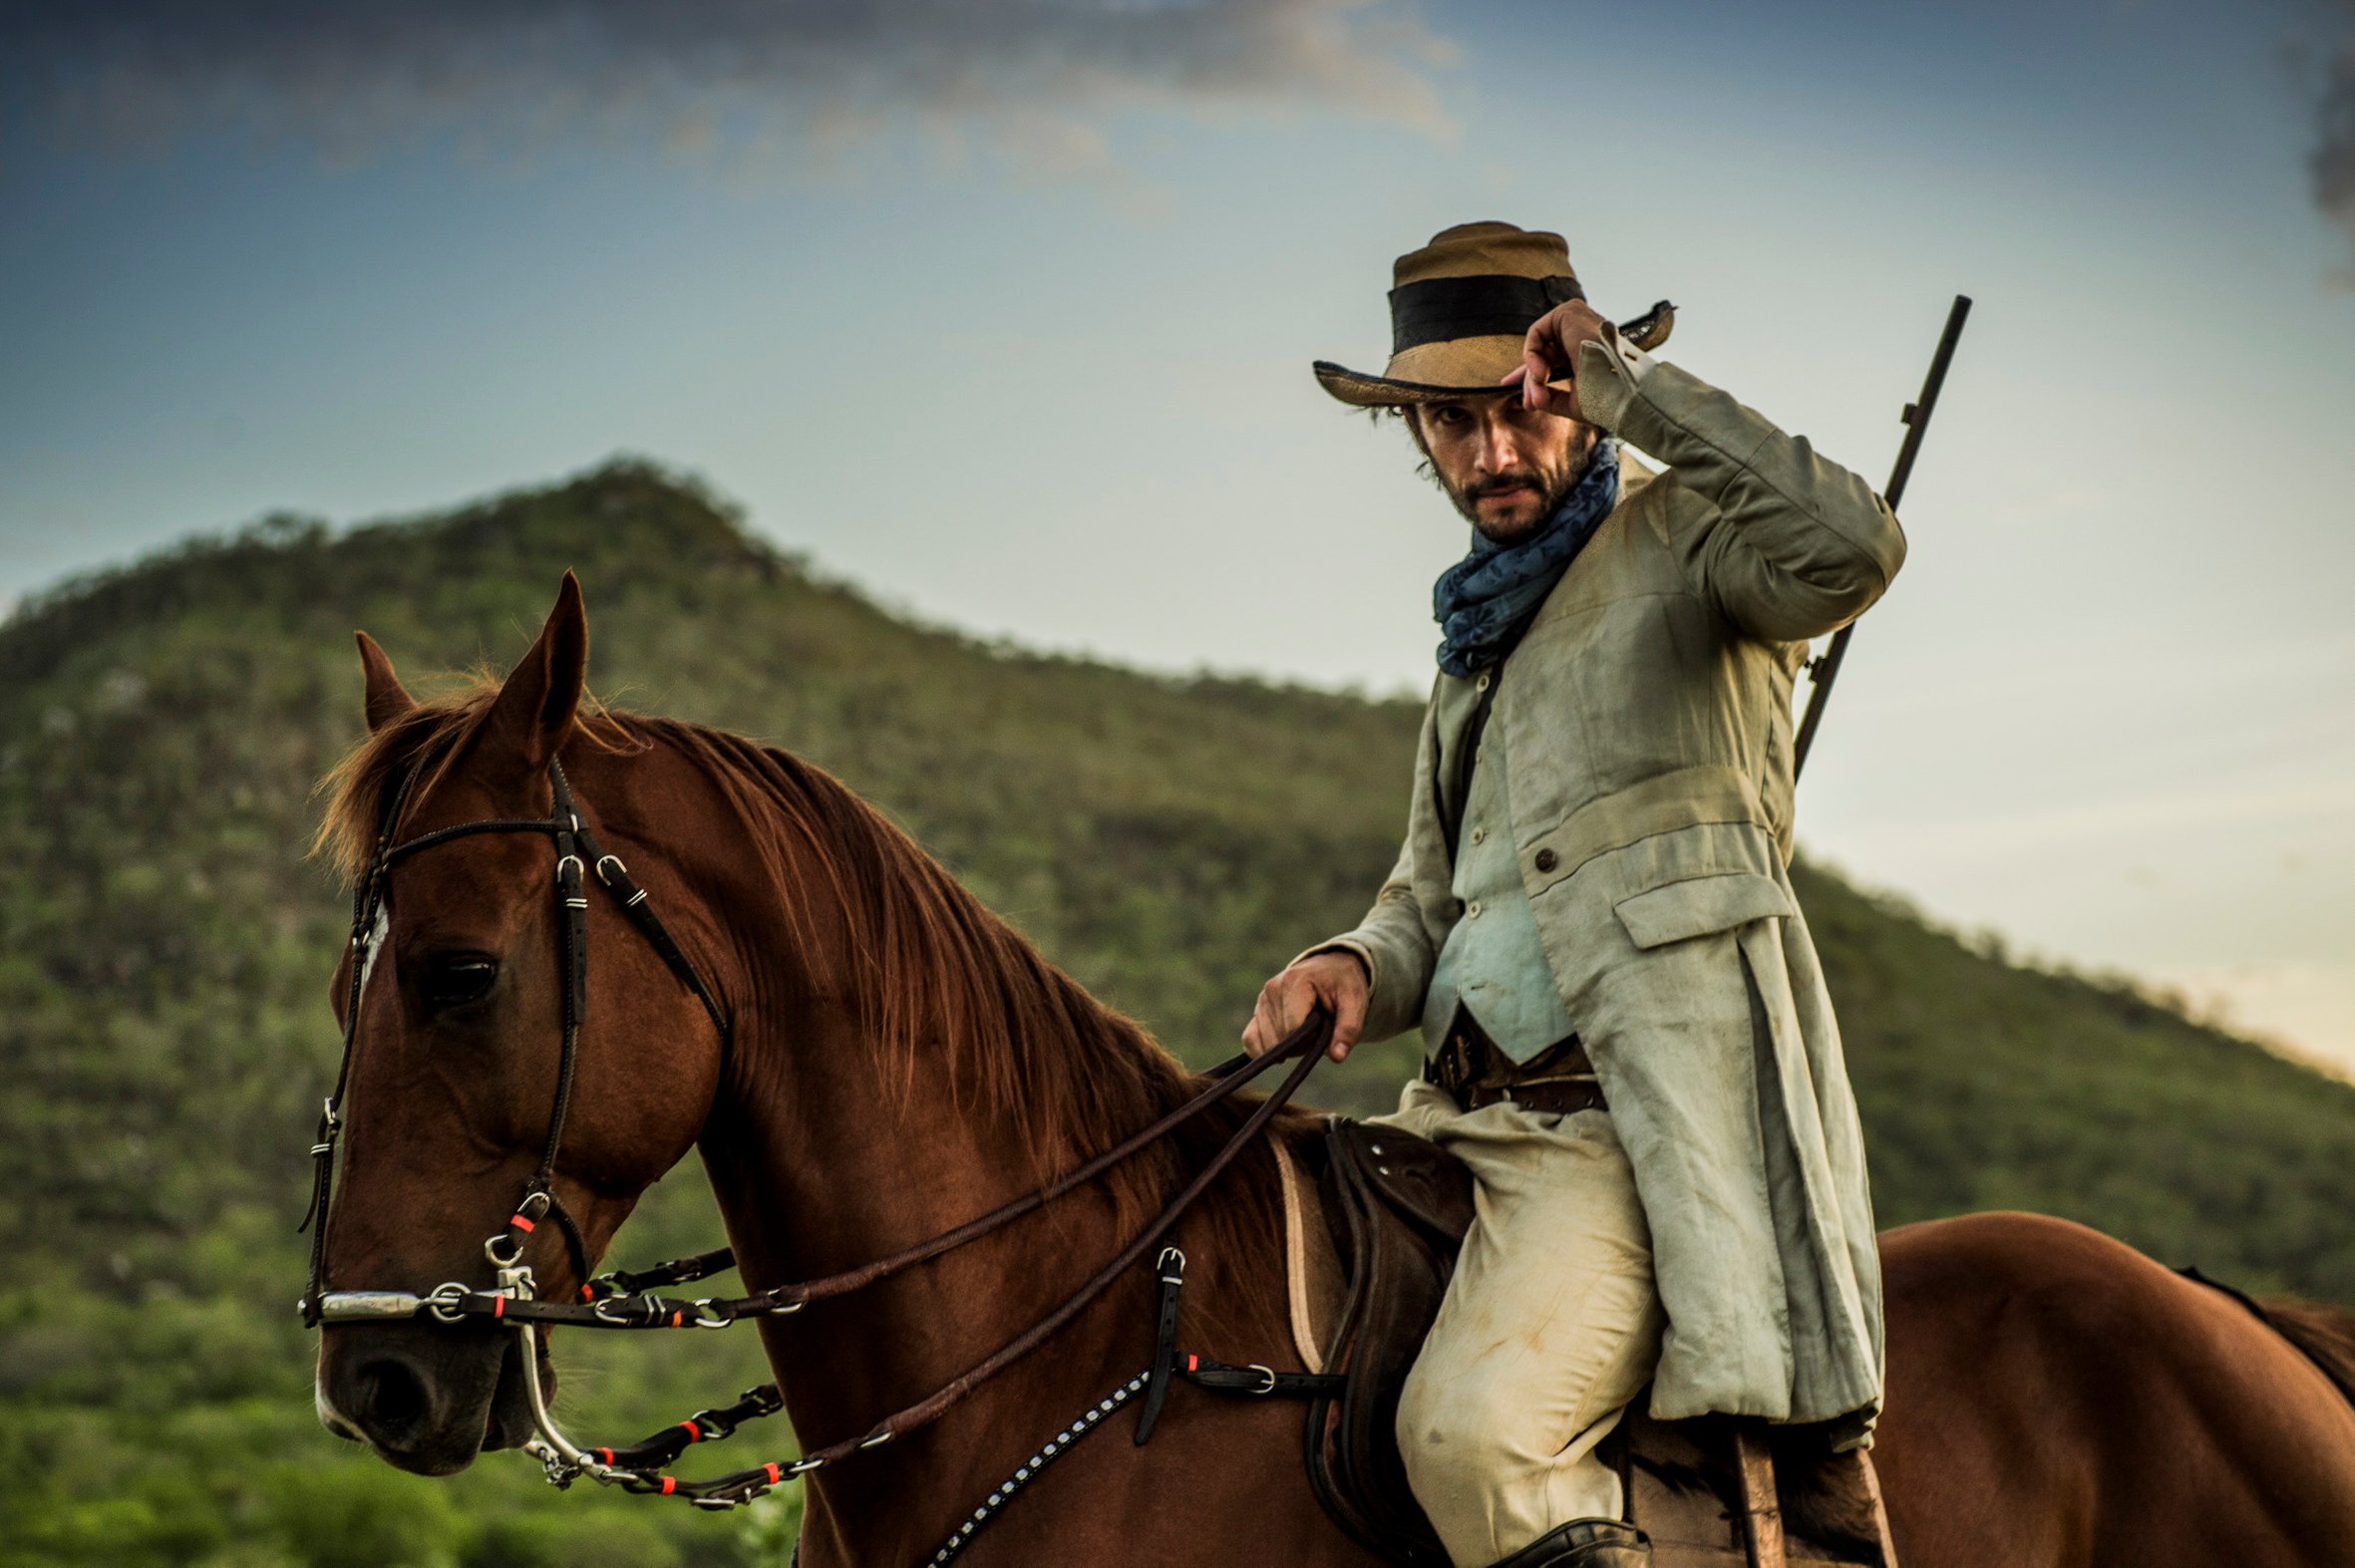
[1487, 601]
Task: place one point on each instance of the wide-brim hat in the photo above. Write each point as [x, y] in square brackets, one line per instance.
[1461, 308]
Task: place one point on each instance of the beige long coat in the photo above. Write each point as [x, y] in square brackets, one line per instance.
[1649, 750]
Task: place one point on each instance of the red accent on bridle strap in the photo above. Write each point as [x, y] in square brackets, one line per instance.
[694, 1432]
[523, 1224]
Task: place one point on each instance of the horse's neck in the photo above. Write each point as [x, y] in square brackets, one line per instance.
[826, 1165]
[825, 1157]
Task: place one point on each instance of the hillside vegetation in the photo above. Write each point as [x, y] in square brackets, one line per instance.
[165, 950]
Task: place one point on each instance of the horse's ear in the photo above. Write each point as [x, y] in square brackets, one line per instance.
[533, 710]
[387, 699]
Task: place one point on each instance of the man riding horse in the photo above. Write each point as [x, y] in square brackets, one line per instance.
[1625, 1028]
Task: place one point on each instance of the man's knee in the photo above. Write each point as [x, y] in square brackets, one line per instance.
[1457, 1433]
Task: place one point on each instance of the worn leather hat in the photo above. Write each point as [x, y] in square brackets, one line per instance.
[1460, 309]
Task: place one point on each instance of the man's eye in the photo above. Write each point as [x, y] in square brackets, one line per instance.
[456, 980]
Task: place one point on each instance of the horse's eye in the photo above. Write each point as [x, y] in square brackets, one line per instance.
[455, 979]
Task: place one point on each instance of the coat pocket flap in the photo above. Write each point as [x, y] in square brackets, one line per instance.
[1701, 904]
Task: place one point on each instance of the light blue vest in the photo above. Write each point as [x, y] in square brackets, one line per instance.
[1493, 961]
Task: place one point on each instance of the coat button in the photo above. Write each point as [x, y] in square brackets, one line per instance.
[1479, 833]
[1481, 684]
[1548, 860]
[1472, 910]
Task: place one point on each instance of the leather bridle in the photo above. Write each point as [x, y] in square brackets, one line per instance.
[623, 1299]
[575, 849]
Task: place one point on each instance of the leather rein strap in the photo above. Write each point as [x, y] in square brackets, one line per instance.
[624, 1301]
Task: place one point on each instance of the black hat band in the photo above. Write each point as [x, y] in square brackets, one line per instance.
[1496, 304]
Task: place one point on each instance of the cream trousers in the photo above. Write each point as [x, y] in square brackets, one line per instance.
[1550, 1326]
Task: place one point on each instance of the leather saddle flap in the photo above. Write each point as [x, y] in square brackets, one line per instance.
[1398, 1206]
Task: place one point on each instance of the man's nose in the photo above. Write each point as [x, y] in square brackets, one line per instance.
[1500, 452]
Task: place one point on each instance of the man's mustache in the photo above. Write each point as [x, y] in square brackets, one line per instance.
[1499, 484]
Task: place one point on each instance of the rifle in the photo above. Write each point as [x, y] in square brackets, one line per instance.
[1917, 418]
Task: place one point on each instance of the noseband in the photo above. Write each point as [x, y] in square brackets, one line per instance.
[623, 1299]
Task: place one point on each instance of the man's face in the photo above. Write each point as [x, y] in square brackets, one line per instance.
[1507, 467]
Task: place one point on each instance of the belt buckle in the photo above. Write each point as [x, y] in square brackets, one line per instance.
[1451, 1068]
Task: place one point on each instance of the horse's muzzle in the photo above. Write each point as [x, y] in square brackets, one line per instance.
[427, 1399]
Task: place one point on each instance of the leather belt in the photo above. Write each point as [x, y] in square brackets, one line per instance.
[1476, 1073]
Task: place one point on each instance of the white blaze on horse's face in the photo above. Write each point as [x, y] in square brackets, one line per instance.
[376, 940]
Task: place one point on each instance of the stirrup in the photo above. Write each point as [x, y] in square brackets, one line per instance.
[1864, 1535]
[1585, 1543]
[1837, 1501]
[1762, 1507]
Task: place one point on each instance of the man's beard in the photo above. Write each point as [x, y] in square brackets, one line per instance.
[1467, 499]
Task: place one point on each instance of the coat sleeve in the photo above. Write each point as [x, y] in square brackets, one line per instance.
[1790, 546]
[1394, 945]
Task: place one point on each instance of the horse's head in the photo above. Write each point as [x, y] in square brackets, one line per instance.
[456, 1028]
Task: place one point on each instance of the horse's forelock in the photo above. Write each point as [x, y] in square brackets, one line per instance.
[355, 786]
[433, 734]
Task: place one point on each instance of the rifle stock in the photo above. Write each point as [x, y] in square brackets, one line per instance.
[1917, 418]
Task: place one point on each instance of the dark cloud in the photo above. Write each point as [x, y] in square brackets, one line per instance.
[1033, 75]
[2332, 162]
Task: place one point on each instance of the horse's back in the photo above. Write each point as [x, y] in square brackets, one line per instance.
[2098, 1409]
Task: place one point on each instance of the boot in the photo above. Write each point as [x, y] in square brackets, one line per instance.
[1836, 1499]
[1585, 1543]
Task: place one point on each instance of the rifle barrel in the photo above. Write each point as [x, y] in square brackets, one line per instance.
[1917, 418]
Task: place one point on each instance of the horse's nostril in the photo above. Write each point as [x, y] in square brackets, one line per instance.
[392, 1403]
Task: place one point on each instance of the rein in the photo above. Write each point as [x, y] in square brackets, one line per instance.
[622, 1300]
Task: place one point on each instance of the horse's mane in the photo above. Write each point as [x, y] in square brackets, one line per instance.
[944, 985]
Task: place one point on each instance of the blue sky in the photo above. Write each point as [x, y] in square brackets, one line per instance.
[1004, 309]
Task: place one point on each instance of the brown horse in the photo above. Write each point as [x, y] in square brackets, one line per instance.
[899, 1060]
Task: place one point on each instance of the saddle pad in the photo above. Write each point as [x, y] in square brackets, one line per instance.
[1313, 1279]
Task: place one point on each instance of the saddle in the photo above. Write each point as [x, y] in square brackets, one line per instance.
[1396, 1207]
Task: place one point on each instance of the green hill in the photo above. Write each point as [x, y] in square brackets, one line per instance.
[165, 951]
